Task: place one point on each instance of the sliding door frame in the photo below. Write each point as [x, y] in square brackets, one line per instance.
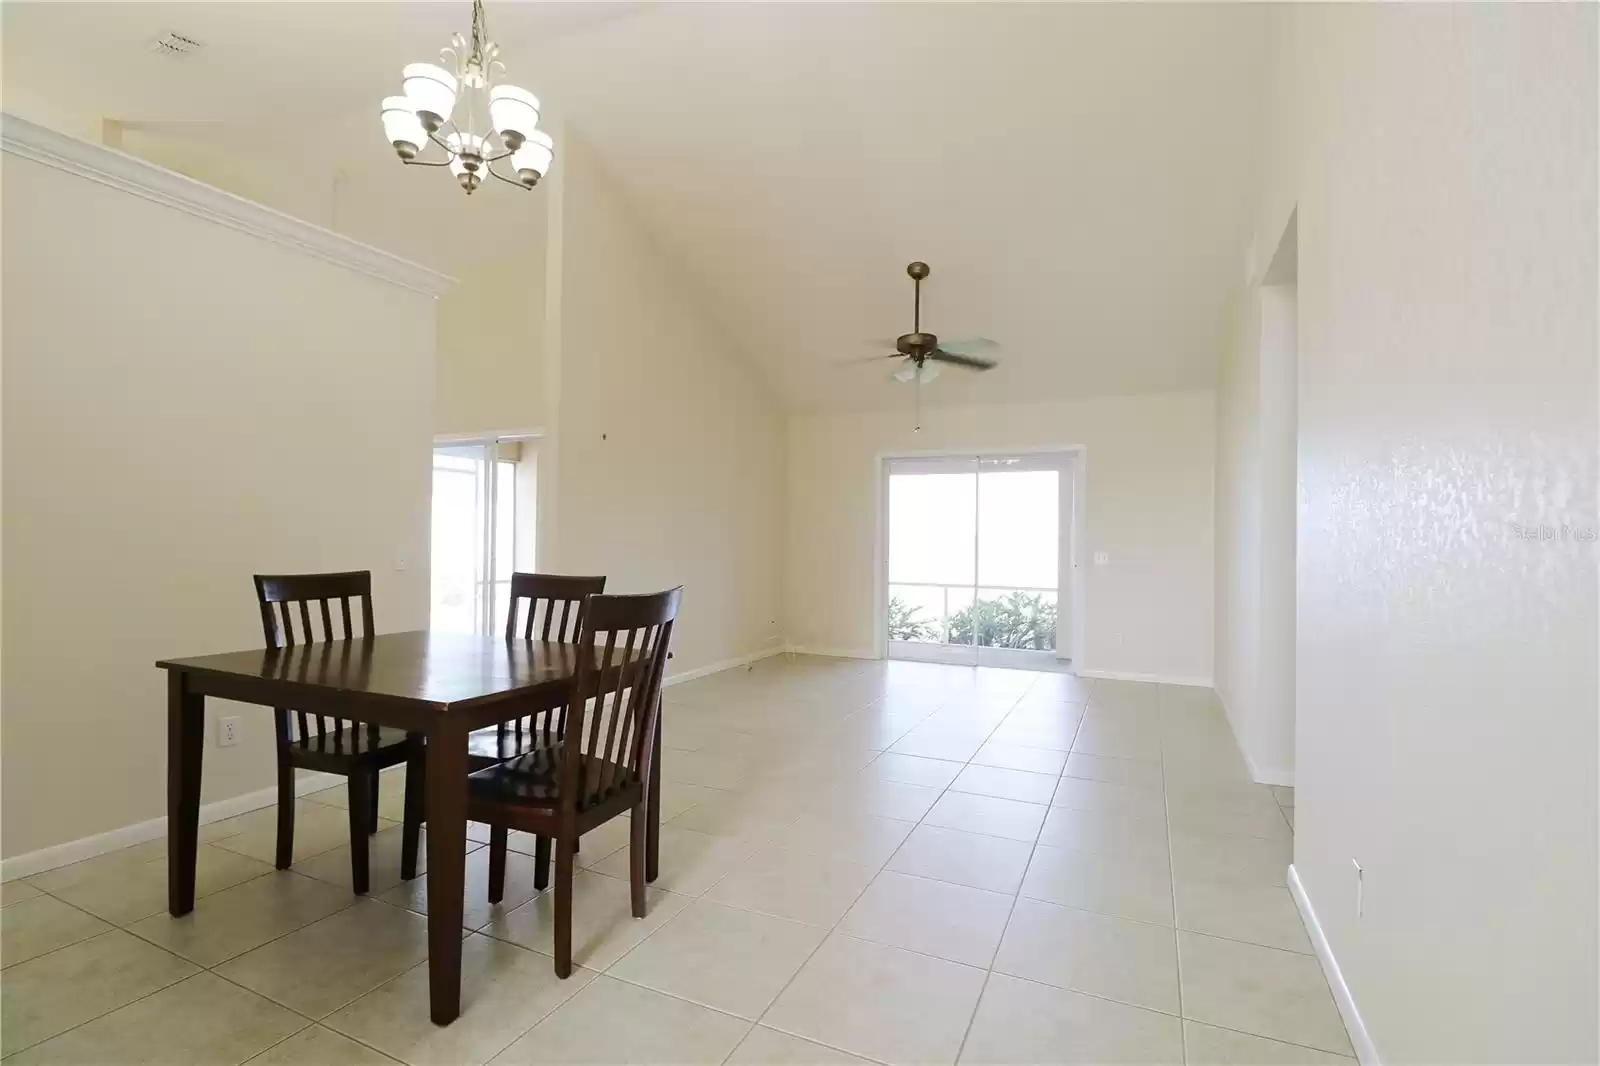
[491, 442]
[1075, 463]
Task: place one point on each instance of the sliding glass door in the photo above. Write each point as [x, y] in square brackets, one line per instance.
[976, 555]
[483, 498]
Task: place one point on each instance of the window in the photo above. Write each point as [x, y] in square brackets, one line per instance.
[974, 564]
[483, 508]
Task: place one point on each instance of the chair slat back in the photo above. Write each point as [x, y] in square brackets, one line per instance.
[554, 611]
[288, 618]
[611, 715]
[554, 605]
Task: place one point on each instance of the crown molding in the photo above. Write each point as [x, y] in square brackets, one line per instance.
[146, 180]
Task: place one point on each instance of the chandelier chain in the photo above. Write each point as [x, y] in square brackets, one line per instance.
[478, 33]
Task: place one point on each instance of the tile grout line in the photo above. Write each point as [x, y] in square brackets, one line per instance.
[846, 913]
[137, 999]
[988, 971]
[878, 873]
[606, 972]
[1015, 896]
[1172, 882]
[880, 869]
[199, 967]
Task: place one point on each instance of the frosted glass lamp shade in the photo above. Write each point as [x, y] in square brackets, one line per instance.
[908, 372]
[462, 146]
[431, 90]
[402, 126]
[532, 160]
[466, 158]
[514, 113]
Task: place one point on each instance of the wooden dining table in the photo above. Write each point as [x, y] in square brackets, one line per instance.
[441, 685]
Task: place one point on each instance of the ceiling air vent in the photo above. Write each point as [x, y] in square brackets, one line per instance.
[171, 43]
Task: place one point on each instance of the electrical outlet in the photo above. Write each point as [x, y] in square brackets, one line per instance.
[1359, 878]
[1102, 558]
[227, 732]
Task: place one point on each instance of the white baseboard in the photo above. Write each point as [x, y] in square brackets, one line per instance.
[830, 653]
[1161, 679]
[37, 862]
[718, 667]
[1260, 775]
[1263, 776]
[1360, 1039]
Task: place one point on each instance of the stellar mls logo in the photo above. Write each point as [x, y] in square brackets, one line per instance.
[1543, 532]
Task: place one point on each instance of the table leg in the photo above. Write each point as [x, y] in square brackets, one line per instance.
[185, 746]
[447, 867]
[652, 840]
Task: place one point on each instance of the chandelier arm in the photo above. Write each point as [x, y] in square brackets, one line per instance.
[502, 177]
[434, 137]
[426, 162]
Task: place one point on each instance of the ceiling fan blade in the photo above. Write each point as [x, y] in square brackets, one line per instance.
[858, 360]
[970, 346]
[971, 362]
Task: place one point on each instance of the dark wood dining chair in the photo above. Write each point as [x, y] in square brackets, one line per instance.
[542, 607]
[601, 766]
[332, 745]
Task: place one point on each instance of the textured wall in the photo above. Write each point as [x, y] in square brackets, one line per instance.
[1443, 160]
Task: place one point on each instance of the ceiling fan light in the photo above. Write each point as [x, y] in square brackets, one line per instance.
[534, 157]
[431, 90]
[514, 112]
[402, 127]
[909, 372]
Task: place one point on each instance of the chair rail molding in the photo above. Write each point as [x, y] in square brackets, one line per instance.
[142, 178]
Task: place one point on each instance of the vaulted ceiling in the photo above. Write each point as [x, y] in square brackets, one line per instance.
[1075, 174]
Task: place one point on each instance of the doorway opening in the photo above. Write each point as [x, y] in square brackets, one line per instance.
[979, 560]
[484, 495]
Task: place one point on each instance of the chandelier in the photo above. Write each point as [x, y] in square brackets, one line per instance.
[428, 113]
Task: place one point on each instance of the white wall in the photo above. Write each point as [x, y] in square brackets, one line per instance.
[1442, 160]
[1147, 470]
[490, 374]
[185, 404]
[664, 465]
[489, 370]
[1238, 521]
[1255, 548]
[1270, 748]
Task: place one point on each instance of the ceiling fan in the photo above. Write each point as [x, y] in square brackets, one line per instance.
[922, 354]
[918, 349]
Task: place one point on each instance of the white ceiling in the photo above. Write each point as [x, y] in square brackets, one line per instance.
[1075, 174]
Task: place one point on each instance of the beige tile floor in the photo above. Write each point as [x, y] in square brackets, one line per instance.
[864, 862]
